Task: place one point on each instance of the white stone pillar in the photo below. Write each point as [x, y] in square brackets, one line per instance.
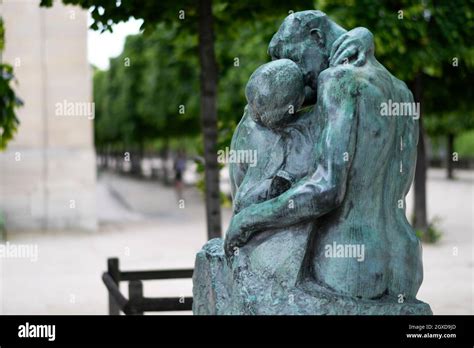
[48, 175]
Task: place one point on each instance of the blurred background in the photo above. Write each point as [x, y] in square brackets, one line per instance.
[112, 114]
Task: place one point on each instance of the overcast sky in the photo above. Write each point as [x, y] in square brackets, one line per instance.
[101, 47]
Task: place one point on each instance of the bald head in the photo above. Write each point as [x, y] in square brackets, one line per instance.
[306, 38]
[275, 92]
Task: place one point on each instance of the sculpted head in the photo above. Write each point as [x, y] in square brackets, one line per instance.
[275, 92]
[306, 38]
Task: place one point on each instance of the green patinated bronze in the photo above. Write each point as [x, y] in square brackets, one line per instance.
[319, 222]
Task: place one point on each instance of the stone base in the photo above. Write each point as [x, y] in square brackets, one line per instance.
[224, 288]
[49, 189]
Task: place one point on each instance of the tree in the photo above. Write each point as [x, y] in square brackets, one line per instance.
[450, 104]
[9, 101]
[194, 17]
[105, 13]
[416, 41]
[148, 94]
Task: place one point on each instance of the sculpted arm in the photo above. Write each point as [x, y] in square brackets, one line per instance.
[237, 170]
[357, 44]
[324, 190]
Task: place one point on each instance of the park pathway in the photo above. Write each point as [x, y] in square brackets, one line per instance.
[143, 225]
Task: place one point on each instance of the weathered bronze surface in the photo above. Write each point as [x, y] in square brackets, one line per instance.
[319, 223]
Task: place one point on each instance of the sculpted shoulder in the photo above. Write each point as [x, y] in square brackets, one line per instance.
[347, 79]
[244, 127]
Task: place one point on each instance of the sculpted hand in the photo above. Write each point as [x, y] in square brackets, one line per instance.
[235, 236]
[358, 42]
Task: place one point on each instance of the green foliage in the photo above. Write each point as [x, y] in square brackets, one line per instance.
[424, 41]
[228, 14]
[8, 99]
[432, 234]
[3, 231]
[138, 99]
[238, 57]
[2, 35]
[163, 74]
[139, 103]
[464, 144]
[429, 34]
[428, 39]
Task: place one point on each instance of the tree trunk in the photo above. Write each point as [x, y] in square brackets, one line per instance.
[164, 155]
[420, 217]
[208, 81]
[449, 156]
[136, 157]
[109, 157]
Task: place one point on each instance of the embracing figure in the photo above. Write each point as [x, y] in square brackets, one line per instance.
[321, 215]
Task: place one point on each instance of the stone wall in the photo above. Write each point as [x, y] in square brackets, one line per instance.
[47, 175]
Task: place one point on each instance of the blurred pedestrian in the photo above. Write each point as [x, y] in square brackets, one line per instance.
[179, 168]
